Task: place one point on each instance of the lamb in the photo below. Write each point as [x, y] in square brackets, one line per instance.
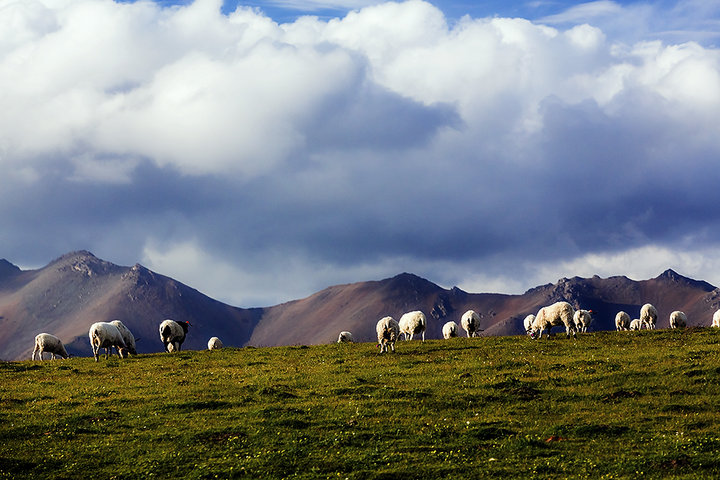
[622, 321]
[449, 330]
[716, 319]
[636, 324]
[388, 332]
[582, 319]
[215, 344]
[528, 322]
[45, 342]
[678, 319]
[648, 316]
[412, 323]
[172, 334]
[106, 335]
[127, 336]
[345, 337]
[470, 322]
[559, 313]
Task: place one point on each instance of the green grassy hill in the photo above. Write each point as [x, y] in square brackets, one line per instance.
[607, 405]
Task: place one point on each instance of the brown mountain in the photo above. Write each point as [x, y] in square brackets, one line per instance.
[72, 292]
[68, 295]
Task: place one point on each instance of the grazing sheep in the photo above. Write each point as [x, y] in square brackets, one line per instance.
[636, 324]
[45, 342]
[172, 334]
[470, 322]
[345, 337]
[678, 319]
[106, 335]
[412, 323]
[528, 322]
[716, 319]
[214, 344]
[449, 330]
[127, 336]
[557, 314]
[388, 332]
[648, 316]
[582, 319]
[622, 321]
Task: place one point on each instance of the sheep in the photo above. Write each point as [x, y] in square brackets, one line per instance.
[412, 323]
[172, 334]
[449, 330]
[127, 336]
[716, 319]
[636, 324]
[582, 319]
[648, 316]
[559, 313]
[622, 321]
[528, 322]
[214, 344]
[106, 335]
[345, 337]
[388, 332]
[678, 319]
[470, 322]
[45, 342]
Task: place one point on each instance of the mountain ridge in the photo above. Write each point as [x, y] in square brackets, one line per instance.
[76, 289]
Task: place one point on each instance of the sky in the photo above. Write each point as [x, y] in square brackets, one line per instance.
[262, 151]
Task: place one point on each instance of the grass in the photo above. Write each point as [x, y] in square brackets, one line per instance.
[607, 405]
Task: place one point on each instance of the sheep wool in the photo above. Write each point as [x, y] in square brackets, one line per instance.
[214, 344]
[106, 335]
[345, 337]
[622, 321]
[470, 322]
[449, 330]
[413, 323]
[46, 342]
[127, 336]
[388, 332]
[648, 316]
[557, 314]
[678, 319]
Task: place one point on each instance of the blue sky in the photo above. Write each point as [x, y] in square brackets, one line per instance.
[260, 154]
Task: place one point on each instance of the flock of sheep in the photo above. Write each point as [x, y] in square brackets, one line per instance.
[115, 334]
[558, 314]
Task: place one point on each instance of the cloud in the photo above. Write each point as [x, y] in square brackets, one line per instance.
[284, 158]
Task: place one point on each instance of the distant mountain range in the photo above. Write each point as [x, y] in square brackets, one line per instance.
[72, 292]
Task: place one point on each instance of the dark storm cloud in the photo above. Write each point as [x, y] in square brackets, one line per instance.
[495, 153]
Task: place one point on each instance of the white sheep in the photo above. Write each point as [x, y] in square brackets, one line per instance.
[172, 334]
[636, 324]
[582, 319]
[557, 314]
[412, 323]
[345, 337]
[127, 336]
[648, 316]
[622, 321]
[214, 344]
[470, 322]
[449, 330]
[106, 335]
[45, 342]
[528, 322]
[678, 319]
[716, 319]
[388, 332]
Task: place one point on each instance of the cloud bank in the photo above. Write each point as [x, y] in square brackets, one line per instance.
[260, 162]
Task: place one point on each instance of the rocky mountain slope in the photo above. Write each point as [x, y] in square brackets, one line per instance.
[77, 289]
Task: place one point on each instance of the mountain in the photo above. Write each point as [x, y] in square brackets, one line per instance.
[72, 292]
[77, 289]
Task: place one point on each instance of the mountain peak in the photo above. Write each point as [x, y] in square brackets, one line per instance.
[671, 275]
[7, 269]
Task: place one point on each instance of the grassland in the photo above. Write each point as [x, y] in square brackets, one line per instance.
[607, 405]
